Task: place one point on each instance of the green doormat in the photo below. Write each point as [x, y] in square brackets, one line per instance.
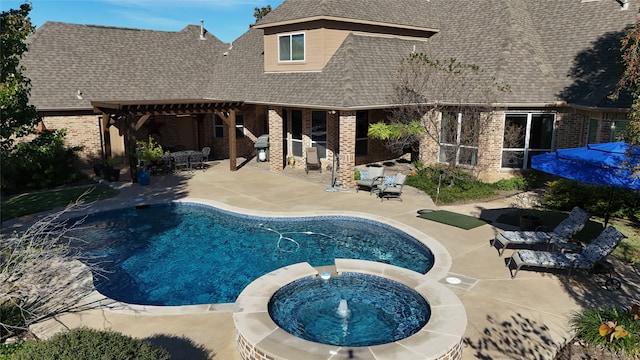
[453, 219]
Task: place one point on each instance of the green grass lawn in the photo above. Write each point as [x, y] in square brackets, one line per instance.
[30, 203]
[629, 248]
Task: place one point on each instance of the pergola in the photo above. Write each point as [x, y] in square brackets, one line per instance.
[135, 113]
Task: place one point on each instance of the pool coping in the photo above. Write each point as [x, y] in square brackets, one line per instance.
[440, 338]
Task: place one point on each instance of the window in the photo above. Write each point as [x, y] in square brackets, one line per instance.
[240, 133]
[525, 135]
[218, 126]
[319, 132]
[592, 131]
[459, 138]
[618, 128]
[291, 47]
[362, 130]
[296, 132]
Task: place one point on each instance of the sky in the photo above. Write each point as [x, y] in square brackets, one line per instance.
[225, 19]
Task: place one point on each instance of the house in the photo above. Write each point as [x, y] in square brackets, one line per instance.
[318, 72]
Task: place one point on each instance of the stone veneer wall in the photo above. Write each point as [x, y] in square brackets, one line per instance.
[249, 352]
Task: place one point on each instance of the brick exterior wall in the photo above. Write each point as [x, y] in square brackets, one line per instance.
[347, 149]
[571, 130]
[82, 130]
[276, 150]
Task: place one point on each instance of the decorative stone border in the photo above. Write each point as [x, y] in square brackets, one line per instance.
[259, 338]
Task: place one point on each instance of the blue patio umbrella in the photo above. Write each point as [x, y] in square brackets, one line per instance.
[610, 164]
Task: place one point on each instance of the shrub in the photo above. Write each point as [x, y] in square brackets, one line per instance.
[88, 344]
[12, 317]
[515, 183]
[7, 350]
[614, 328]
[564, 194]
[445, 186]
[42, 163]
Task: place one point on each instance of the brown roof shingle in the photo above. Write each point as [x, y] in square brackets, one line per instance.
[546, 50]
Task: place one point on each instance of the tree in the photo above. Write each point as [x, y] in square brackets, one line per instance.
[447, 103]
[259, 13]
[17, 117]
[40, 274]
[630, 80]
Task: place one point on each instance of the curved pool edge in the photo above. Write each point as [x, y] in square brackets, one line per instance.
[259, 337]
[439, 270]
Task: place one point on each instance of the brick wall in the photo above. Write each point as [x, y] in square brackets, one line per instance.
[276, 150]
[347, 147]
[82, 130]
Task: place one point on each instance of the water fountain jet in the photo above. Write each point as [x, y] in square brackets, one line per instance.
[343, 309]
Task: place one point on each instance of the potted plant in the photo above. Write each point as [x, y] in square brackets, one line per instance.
[147, 152]
[107, 170]
[529, 221]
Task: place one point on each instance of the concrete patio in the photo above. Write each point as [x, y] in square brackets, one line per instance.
[522, 318]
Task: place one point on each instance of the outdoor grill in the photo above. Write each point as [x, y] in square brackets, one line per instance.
[262, 146]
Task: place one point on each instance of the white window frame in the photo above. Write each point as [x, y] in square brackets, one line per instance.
[304, 47]
[458, 146]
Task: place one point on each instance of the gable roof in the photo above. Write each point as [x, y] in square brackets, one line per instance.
[107, 63]
[417, 14]
[529, 45]
[547, 51]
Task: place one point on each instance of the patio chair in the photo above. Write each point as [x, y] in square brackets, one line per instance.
[592, 254]
[312, 161]
[196, 160]
[391, 187]
[370, 179]
[180, 161]
[560, 237]
[205, 153]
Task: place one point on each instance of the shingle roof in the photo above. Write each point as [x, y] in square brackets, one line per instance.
[546, 50]
[106, 63]
[413, 13]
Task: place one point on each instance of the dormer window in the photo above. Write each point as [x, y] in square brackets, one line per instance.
[291, 47]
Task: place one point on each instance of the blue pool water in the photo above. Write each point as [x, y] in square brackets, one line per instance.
[376, 310]
[186, 254]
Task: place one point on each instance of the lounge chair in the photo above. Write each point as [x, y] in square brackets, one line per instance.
[592, 254]
[391, 187]
[370, 179]
[312, 161]
[560, 237]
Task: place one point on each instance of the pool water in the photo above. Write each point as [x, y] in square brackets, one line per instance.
[349, 310]
[187, 254]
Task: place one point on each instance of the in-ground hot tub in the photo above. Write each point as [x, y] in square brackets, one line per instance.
[260, 337]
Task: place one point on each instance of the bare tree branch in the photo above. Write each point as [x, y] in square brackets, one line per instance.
[40, 273]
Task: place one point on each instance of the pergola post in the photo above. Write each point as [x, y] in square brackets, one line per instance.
[230, 120]
[130, 136]
[106, 136]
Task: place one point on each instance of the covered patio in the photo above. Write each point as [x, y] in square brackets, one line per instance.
[130, 116]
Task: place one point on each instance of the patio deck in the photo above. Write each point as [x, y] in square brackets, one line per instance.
[521, 318]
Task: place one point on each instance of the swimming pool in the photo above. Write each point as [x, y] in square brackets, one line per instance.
[188, 253]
